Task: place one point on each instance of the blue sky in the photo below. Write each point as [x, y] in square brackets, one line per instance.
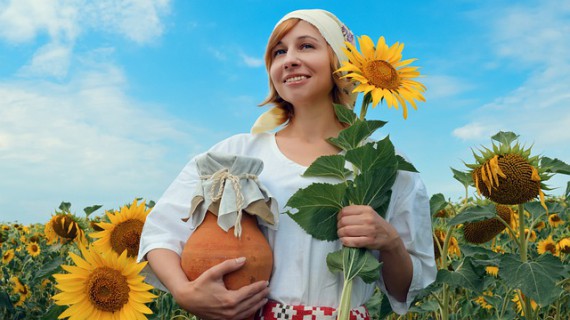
[105, 101]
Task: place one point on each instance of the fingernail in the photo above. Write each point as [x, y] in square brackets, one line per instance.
[240, 260]
[267, 283]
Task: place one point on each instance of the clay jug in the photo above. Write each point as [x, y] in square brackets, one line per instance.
[210, 245]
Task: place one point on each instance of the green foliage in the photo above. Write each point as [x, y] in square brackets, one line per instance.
[357, 262]
[317, 207]
[536, 279]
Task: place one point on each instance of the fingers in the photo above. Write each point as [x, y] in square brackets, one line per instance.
[256, 294]
[221, 269]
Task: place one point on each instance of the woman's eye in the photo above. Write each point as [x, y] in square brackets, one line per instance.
[278, 52]
[307, 46]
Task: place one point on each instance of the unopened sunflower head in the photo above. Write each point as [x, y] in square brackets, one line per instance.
[506, 173]
[381, 74]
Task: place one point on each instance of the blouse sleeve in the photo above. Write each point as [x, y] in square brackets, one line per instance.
[164, 227]
[409, 214]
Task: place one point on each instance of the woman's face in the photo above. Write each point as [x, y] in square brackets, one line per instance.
[301, 68]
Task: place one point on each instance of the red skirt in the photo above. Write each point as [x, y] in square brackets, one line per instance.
[274, 310]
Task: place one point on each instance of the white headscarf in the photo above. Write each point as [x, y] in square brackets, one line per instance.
[334, 32]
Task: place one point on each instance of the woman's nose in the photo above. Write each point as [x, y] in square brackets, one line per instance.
[291, 60]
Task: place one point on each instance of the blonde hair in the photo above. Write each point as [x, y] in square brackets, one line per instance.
[341, 89]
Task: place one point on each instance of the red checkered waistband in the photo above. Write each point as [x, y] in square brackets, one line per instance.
[274, 310]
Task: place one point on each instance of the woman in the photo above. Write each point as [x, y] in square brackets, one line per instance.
[302, 53]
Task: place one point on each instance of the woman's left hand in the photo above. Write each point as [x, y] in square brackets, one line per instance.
[360, 226]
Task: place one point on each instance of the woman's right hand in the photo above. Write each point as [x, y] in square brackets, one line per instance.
[207, 296]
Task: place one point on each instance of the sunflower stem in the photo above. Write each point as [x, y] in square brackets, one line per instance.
[522, 237]
[366, 100]
[525, 301]
[344, 307]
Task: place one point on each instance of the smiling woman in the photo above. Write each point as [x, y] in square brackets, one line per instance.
[303, 51]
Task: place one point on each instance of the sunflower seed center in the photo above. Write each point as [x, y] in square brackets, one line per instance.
[108, 289]
[381, 74]
[126, 236]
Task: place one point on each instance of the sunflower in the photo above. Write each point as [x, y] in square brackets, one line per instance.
[17, 284]
[124, 230]
[63, 227]
[532, 236]
[554, 220]
[492, 270]
[485, 230]
[8, 256]
[33, 249]
[506, 174]
[540, 225]
[480, 300]
[20, 289]
[563, 246]
[382, 74]
[103, 286]
[517, 300]
[547, 245]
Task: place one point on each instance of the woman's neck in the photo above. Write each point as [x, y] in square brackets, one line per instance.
[313, 122]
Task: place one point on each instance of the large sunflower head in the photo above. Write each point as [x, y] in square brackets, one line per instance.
[506, 174]
[64, 227]
[103, 286]
[485, 230]
[382, 74]
[124, 230]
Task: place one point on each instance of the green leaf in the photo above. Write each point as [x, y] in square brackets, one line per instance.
[373, 155]
[404, 165]
[466, 276]
[90, 210]
[352, 136]
[373, 188]
[328, 166]
[464, 177]
[49, 268]
[5, 301]
[536, 209]
[318, 205]
[478, 252]
[54, 312]
[437, 202]
[475, 213]
[554, 165]
[65, 206]
[505, 137]
[536, 279]
[354, 262]
[344, 114]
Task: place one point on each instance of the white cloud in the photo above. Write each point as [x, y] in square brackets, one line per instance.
[137, 20]
[85, 141]
[24, 20]
[533, 34]
[64, 20]
[473, 131]
[252, 61]
[51, 60]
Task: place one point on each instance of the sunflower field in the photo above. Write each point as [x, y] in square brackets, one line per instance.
[503, 252]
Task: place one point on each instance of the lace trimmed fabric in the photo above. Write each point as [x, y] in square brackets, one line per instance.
[229, 187]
